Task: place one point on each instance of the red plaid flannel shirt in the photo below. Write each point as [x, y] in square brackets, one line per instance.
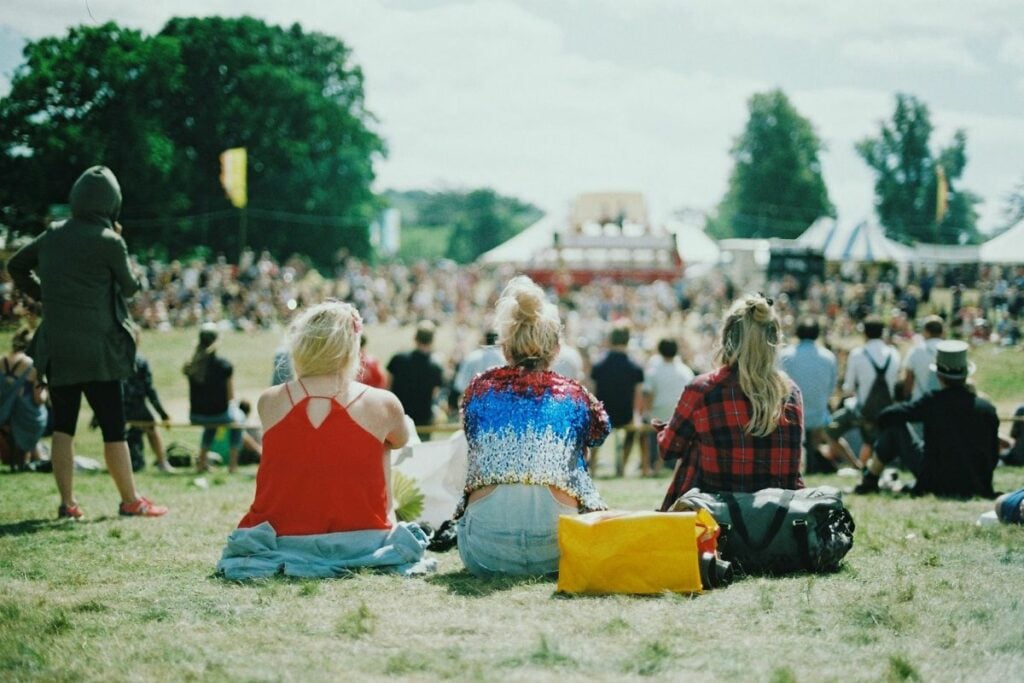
[715, 453]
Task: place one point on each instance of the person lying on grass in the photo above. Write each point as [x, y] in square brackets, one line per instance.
[528, 430]
[323, 491]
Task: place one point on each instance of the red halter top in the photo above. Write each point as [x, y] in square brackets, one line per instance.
[318, 480]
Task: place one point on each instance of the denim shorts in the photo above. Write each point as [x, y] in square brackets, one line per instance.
[513, 531]
[233, 415]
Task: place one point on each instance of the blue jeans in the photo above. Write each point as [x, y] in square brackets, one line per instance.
[231, 416]
[513, 531]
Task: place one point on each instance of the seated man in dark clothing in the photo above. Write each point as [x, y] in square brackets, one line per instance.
[961, 433]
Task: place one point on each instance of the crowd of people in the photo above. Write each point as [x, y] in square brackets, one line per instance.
[558, 371]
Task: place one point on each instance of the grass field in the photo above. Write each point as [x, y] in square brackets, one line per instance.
[924, 595]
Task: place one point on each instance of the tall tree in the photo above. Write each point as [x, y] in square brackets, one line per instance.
[295, 100]
[908, 175]
[1014, 209]
[776, 188]
[159, 110]
[98, 95]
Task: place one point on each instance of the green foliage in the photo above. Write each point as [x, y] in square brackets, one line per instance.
[1013, 212]
[100, 95]
[776, 188]
[473, 221]
[357, 623]
[160, 109]
[906, 180]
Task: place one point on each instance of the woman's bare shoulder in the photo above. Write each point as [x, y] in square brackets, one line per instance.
[273, 404]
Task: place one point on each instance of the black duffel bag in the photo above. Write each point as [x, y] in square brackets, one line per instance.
[778, 531]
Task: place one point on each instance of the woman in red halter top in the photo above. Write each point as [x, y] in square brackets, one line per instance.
[326, 438]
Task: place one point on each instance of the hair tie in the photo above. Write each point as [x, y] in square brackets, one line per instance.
[357, 320]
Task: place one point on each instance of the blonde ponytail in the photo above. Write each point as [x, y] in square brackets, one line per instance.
[750, 340]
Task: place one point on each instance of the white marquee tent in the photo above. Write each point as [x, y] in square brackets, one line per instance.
[861, 242]
[1007, 247]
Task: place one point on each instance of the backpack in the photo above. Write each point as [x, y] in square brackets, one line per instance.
[778, 531]
[879, 396]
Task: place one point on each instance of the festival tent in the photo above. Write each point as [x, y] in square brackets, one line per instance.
[863, 242]
[521, 249]
[1006, 247]
[945, 253]
[693, 243]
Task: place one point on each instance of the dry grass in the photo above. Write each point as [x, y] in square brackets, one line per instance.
[924, 595]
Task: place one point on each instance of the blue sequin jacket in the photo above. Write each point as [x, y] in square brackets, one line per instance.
[532, 428]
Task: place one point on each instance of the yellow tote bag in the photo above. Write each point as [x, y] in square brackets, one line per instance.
[632, 552]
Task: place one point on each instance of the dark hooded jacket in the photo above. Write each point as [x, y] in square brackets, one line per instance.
[79, 270]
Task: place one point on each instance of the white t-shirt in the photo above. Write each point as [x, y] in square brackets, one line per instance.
[664, 381]
[860, 375]
[917, 362]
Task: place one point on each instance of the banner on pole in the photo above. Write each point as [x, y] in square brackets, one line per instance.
[233, 175]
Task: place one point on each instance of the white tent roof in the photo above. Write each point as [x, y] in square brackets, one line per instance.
[693, 243]
[946, 253]
[863, 242]
[1007, 247]
[520, 250]
[535, 244]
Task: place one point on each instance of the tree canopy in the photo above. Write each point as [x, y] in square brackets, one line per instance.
[469, 221]
[160, 109]
[907, 177]
[776, 188]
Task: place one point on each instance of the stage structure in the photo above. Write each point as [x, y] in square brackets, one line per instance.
[607, 235]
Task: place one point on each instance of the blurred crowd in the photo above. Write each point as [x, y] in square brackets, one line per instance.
[984, 305]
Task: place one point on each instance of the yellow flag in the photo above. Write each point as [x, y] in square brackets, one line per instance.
[941, 193]
[233, 175]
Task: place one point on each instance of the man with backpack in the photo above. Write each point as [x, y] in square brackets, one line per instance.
[871, 374]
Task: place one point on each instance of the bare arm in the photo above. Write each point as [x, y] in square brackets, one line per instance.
[908, 384]
[39, 392]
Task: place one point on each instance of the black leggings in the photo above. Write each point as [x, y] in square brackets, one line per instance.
[106, 400]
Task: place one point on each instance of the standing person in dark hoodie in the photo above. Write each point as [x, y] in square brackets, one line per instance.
[79, 270]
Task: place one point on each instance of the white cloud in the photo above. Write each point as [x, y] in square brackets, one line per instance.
[1012, 50]
[917, 52]
[492, 93]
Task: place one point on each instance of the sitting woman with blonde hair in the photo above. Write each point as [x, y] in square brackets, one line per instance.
[323, 492]
[528, 430]
[740, 427]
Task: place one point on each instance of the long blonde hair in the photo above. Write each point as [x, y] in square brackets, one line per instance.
[324, 340]
[527, 323]
[750, 341]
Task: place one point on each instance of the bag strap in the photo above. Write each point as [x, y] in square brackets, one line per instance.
[736, 517]
[800, 532]
[878, 370]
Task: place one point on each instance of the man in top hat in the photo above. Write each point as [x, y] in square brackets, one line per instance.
[961, 433]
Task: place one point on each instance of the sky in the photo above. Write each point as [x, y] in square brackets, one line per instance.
[545, 99]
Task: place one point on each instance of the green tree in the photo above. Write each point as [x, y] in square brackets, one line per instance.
[775, 188]
[98, 95]
[470, 221]
[297, 103]
[1013, 212]
[159, 111]
[907, 178]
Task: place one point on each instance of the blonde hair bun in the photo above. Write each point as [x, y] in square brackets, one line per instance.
[527, 323]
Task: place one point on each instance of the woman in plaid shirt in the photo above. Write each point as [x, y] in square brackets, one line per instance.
[740, 427]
